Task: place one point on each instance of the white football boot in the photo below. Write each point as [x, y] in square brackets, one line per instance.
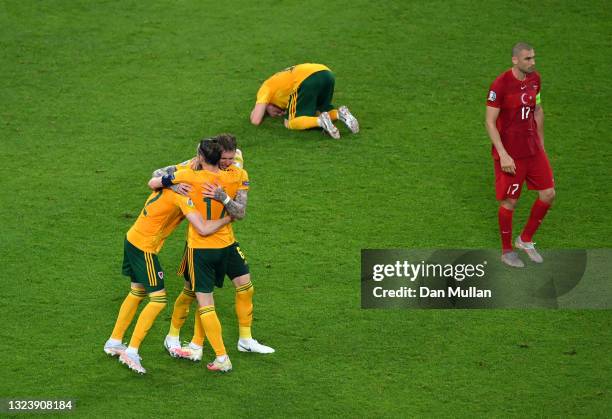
[251, 345]
[512, 259]
[328, 126]
[529, 248]
[173, 346]
[191, 352]
[113, 347]
[132, 360]
[222, 366]
[349, 120]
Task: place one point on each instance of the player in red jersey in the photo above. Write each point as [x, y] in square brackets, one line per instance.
[515, 124]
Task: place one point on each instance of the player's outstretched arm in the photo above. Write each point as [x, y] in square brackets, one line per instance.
[157, 182]
[163, 171]
[258, 113]
[208, 227]
[235, 207]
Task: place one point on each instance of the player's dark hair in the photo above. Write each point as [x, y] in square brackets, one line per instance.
[210, 150]
[520, 46]
[227, 142]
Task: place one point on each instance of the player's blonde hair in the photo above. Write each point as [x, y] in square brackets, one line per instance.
[226, 141]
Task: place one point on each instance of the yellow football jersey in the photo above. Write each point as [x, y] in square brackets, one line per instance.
[162, 213]
[231, 181]
[184, 165]
[239, 159]
[276, 89]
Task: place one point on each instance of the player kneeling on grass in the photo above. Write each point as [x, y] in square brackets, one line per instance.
[208, 260]
[162, 213]
[303, 95]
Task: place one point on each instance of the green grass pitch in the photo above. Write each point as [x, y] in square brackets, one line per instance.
[95, 95]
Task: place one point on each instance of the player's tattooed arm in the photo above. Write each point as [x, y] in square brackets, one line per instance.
[236, 207]
[179, 188]
[163, 171]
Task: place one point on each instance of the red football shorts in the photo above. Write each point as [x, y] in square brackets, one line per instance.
[535, 170]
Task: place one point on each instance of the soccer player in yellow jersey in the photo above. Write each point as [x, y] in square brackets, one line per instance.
[208, 261]
[162, 213]
[302, 94]
[230, 160]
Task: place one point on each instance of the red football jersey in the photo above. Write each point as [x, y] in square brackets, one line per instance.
[516, 100]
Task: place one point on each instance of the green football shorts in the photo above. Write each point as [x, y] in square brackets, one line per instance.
[313, 95]
[142, 267]
[205, 269]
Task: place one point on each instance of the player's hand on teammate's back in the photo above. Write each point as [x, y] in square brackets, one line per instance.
[182, 188]
[213, 191]
[507, 164]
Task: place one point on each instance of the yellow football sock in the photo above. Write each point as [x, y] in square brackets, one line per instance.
[303, 122]
[198, 331]
[333, 114]
[180, 311]
[127, 312]
[148, 315]
[244, 309]
[212, 328]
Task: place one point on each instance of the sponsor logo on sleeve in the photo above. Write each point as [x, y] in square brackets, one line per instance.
[492, 96]
[246, 183]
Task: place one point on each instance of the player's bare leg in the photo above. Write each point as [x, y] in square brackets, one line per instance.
[547, 195]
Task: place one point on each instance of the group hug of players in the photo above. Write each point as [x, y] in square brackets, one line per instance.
[210, 191]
